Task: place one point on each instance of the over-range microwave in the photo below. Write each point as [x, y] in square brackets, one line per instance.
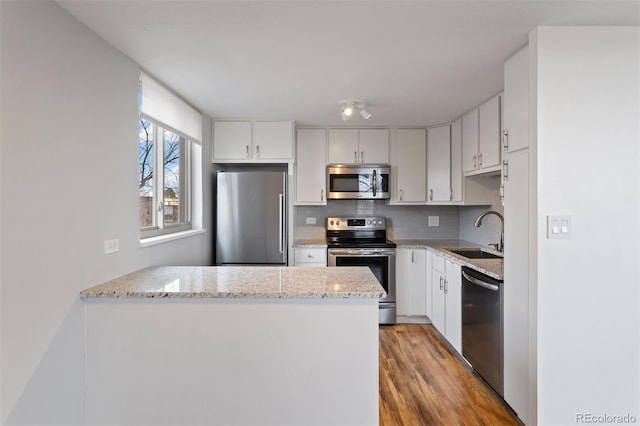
[358, 181]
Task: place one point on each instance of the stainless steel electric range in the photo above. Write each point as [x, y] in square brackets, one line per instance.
[362, 241]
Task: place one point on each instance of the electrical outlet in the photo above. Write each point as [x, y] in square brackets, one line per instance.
[111, 246]
[434, 221]
[311, 221]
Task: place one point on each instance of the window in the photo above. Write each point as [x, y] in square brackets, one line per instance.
[169, 162]
[164, 180]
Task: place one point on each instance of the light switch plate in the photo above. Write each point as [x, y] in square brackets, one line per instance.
[311, 221]
[558, 227]
[434, 221]
[111, 246]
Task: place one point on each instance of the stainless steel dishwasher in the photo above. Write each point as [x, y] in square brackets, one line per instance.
[482, 326]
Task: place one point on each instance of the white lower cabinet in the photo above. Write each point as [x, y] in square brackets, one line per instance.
[310, 257]
[446, 282]
[411, 282]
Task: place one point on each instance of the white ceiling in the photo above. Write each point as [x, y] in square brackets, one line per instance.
[416, 63]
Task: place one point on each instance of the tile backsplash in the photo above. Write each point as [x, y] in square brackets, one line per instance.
[404, 222]
[407, 222]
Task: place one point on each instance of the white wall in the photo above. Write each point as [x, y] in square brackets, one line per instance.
[68, 173]
[588, 133]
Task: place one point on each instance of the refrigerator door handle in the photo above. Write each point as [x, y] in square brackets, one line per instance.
[281, 223]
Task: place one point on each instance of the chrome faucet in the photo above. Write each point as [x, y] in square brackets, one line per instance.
[488, 212]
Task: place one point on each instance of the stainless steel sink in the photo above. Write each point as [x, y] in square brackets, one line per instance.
[475, 254]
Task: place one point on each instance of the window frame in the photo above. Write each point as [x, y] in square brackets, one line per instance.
[159, 227]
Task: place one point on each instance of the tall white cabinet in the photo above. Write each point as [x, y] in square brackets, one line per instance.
[517, 191]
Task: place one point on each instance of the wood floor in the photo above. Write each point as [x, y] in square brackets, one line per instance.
[424, 382]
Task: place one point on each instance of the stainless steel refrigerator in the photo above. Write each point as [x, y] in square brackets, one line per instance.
[251, 218]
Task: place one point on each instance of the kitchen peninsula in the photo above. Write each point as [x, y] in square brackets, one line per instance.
[233, 345]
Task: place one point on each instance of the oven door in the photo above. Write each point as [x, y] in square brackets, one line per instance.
[382, 263]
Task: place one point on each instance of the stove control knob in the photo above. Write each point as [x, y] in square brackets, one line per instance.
[331, 223]
[379, 222]
[338, 222]
[368, 222]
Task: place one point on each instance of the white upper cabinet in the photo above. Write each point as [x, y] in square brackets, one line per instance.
[516, 101]
[439, 164]
[311, 166]
[456, 161]
[411, 166]
[355, 146]
[470, 141]
[231, 140]
[241, 141]
[481, 138]
[343, 146]
[272, 140]
[374, 146]
[489, 133]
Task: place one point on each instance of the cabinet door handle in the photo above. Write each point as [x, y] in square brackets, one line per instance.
[257, 151]
[355, 157]
[431, 195]
[413, 256]
[502, 192]
[441, 285]
[322, 195]
[401, 195]
[362, 156]
[480, 160]
[505, 169]
[247, 154]
[475, 161]
[446, 286]
[505, 140]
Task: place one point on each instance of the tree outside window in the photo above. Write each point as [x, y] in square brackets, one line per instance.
[163, 185]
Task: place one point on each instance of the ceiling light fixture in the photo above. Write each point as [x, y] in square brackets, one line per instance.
[348, 107]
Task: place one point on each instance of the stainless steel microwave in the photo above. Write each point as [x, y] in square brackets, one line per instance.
[358, 181]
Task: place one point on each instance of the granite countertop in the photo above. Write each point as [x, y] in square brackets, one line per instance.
[242, 282]
[491, 267]
[310, 243]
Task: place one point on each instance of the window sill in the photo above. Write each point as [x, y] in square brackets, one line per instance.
[160, 239]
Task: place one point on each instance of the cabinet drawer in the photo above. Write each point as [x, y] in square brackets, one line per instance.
[310, 255]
